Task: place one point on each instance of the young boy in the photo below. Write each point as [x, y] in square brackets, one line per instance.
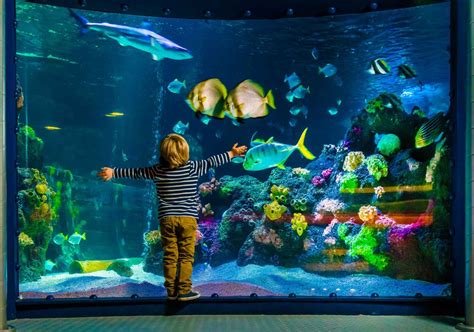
[176, 180]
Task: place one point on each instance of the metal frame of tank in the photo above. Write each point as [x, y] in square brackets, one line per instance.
[417, 305]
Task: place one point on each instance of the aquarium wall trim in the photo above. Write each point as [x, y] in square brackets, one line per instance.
[236, 9]
[9, 172]
[255, 305]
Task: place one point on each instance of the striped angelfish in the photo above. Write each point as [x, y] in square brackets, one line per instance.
[379, 67]
[268, 154]
[431, 131]
[406, 71]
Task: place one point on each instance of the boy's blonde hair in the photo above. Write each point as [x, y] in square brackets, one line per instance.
[174, 151]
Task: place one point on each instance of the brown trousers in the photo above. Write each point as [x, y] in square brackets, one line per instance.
[178, 236]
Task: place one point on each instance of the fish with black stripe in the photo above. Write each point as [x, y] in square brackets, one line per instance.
[431, 131]
[406, 71]
[379, 67]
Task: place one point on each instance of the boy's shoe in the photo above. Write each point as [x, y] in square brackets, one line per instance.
[189, 296]
[173, 297]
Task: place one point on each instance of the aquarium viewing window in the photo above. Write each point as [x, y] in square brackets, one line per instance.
[346, 190]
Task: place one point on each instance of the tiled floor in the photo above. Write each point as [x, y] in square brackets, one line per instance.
[239, 323]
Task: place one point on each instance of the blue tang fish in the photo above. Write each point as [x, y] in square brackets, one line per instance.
[142, 39]
[268, 154]
[176, 86]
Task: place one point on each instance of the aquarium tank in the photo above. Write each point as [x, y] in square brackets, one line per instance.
[345, 189]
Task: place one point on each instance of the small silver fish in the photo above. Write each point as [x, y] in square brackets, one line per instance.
[292, 122]
[176, 86]
[124, 156]
[295, 110]
[59, 238]
[76, 238]
[49, 265]
[328, 70]
[332, 111]
[293, 80]
[315, 53]
[300, 92]
[180, 127]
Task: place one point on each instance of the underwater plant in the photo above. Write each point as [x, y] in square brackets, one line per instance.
[274, 211]
[348, 183]
[387, 144]
[299, 204]
[298, 223]
[377, 166]
[279, 193]
[368, 213]
[353, 160]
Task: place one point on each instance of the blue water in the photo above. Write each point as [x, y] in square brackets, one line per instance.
[72, 80]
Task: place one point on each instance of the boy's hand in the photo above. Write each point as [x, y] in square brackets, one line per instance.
[238, 151]
[106, 173]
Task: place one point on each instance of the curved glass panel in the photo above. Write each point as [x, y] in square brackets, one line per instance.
[345, 187]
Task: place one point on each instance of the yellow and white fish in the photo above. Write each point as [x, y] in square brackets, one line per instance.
[114, 114]
[51, 128]
[207, 98]
[247, 100]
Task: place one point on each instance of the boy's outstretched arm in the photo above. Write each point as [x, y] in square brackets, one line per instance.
[201, 167]
[108, 173]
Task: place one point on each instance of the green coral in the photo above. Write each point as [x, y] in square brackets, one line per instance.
[365, 244]
[121, 268]
[299, 204]
[388, 144]
[349, 183]
[279, 193]
[377, 166]
[374, 105]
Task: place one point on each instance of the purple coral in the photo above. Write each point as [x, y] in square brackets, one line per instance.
[318, 181]
[326, 173]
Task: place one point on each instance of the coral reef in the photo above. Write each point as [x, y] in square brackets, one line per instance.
[298, 223]
[353, 160]
[377, 166]
[279, 194]
[348, 183]
[37, 218]
[274, 211]
[388, 144]
[368, 213]
[301, 172]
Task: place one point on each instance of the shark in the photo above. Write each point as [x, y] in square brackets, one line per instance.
[142, 39]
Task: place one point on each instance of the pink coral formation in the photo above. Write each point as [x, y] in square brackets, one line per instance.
[329, 227]
[384, 221]
[319, 180]
[330, 241]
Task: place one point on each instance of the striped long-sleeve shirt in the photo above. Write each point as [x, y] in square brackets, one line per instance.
[176, 188]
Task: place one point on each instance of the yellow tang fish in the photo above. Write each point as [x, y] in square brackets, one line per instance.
[248, 100]
[52, 128]
[207, 98]
[114, 114]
